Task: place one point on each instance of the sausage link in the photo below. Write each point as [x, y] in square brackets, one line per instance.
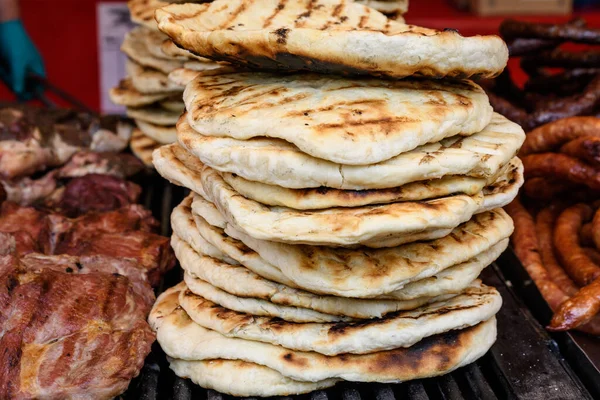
[567, 243]
[553, 135]
[544, 225]
[561, 167]
[579, 309]
[586, 148]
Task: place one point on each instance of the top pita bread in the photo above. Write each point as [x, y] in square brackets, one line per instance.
[347, 121]
[328, 36]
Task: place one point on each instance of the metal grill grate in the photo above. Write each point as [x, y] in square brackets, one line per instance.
[525, 363]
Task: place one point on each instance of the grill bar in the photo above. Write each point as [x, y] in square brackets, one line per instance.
[525, 362]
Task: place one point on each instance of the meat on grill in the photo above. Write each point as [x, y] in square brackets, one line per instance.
[33, 139]
[68, 334]
[125, 233]
[48, 188]
[88, 162]
[95, 193]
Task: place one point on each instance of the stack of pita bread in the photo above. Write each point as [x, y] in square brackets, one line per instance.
[152, 99]
[337, 222]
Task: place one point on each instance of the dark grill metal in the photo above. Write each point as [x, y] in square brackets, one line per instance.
[525, 363]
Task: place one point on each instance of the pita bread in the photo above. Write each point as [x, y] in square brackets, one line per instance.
[127, 95]
[142, 12]
[153, 41]
[321, 198]
[217, 374]
[397, 7]
[174, 160]
[257, 306]
[134, 46]
[279, 163]
[142, 146]
[155, 115]
[346, 121]
[199, 66]
[368, 279]
[165, 304]
[297, 227]
[149, 80]
[158, 133]
[171, 49]
[331, 36]
[240, 378]
[450, 280]
[401, 329]
[180, 337]
[245, 284]
[174, 105]
[373, 226]
[359, 272]
[184, 226]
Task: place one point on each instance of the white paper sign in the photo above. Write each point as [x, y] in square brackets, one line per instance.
[113, 23]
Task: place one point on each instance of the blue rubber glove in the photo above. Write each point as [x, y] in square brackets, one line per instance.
[18, 58]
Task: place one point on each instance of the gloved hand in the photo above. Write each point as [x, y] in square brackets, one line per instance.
[18, 58]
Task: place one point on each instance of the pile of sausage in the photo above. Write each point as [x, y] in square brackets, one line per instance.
[561, 83]
[557, 220]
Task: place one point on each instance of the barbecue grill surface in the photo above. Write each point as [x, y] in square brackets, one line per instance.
[525, 363]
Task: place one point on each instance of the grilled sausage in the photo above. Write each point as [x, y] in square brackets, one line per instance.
[551, 136]
[569, 251]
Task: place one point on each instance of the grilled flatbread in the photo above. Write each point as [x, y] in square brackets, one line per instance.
[127, 95]
[402, 329]
[149, 80]
[134, 46]
[240, 378]
[172, 50]
[184, 226]
[332, 36]
[142, 12]
[180, 337]
[155, 115]
[345, 121]
[384, 225]
[178, 164]
[259, 307]
[321, 198]
[159, 133]
[153, 40]
[173, 104]
[142, 146]
[245, 284]
[277, 162]
[359, 272]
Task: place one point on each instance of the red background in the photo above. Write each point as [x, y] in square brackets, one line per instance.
[65, 33]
